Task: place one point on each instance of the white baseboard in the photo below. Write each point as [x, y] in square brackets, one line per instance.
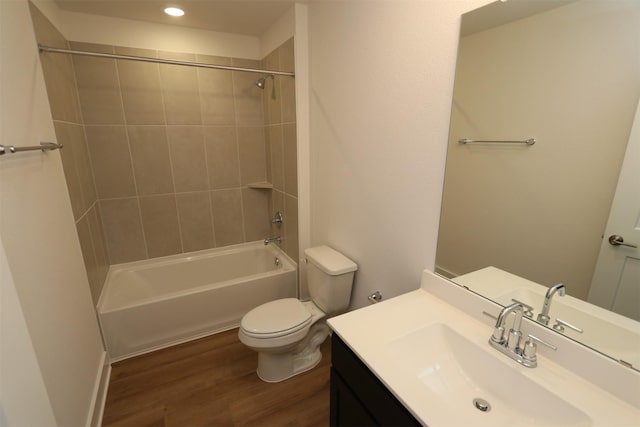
[100, 393]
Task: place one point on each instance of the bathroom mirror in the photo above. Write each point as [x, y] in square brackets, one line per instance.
[520, 217]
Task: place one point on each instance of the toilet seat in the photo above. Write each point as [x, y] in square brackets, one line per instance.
[276, 318]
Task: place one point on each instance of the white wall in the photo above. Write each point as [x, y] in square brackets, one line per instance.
[146, 35]
[381, 82]
[23, 397]
[281, 31]
[43, 259]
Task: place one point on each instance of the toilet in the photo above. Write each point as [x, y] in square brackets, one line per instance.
[287, 333]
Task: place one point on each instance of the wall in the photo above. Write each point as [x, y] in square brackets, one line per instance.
[146, 35]
[575, 88]
[173, 149]
[38, 233]
[282, 169]
[68, 123]
[381, 84]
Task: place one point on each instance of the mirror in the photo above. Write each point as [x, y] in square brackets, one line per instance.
[518, 218]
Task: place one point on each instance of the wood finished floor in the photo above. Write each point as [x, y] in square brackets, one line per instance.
[212, 382]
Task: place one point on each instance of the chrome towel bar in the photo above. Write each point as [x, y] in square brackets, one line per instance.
[44, 146]
[529, 141]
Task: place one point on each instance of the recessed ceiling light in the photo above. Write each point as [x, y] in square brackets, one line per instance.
[174, 11]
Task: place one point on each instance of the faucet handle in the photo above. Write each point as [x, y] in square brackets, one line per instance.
[277, 219]
[560, 324]
[528, 309]
[530, 347]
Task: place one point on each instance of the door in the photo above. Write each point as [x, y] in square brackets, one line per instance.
[616, 280]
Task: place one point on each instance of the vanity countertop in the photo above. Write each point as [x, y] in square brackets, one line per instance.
[393, 339]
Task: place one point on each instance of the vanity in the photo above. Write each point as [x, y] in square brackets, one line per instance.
[430, 363]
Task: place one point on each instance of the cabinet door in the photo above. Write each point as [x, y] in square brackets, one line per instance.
[346, 409]
[368, 402]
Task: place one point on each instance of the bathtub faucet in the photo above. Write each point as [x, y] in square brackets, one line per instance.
[272, 239]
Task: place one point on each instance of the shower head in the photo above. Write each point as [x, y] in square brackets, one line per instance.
[261, 81]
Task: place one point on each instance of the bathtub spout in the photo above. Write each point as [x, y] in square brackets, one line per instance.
[272, 239]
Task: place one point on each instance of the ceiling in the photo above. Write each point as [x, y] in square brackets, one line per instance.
[249, 17]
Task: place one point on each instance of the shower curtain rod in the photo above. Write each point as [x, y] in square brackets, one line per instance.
[42, 48]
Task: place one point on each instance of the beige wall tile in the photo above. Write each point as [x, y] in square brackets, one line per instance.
[196, 222]
[180, 91]
[160, 222]
[255, 206]
[46, 33]
[65, 135]
[291, 226]
[226, 206]
[150, 156]
[290, 159]
[61, 87]
[287, 56]
[58, 70]
[123, 233]
[140, 87]
[76, 165]
[216, 92]
[288, 99]
[98, 86]
[222, 157]
[287, 84]
[109, 153]
[276, 158]
[188, 159]
[88, 255]
[84, 166]
[251, 148]
[271, 95]
[248, 97]
[97, 237]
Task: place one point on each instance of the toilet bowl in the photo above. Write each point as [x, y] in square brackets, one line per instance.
[287, 333]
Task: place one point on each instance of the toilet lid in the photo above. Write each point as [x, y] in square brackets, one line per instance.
[275, 318]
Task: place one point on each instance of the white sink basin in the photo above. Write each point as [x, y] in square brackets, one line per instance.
[435, 359]
[455, 372]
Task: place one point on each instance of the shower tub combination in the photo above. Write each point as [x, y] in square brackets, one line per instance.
[152, 304]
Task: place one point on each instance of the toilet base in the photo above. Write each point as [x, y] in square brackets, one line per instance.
[276, 367]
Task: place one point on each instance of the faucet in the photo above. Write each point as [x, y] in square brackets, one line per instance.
[272, 239]
[513, 338]
[543, 317]
[525, 355]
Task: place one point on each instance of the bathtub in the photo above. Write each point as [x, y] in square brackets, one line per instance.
[151, 304]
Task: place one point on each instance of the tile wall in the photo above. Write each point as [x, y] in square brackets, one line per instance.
[280, 133]
[67, 119]
[159, 158]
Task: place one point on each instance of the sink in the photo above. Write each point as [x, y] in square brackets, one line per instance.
[435, 358]
[454, 372]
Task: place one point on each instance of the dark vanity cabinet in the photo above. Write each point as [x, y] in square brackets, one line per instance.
[358, 398]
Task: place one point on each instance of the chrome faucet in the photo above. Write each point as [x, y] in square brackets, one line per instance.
[272, 240]
[543, 317]
[525, 354]
[513, 338]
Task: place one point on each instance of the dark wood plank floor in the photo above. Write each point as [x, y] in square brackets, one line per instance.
[212, 382]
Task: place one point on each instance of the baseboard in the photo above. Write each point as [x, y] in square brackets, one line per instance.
[100, 393]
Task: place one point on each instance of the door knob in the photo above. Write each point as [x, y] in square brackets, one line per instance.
[616, 240]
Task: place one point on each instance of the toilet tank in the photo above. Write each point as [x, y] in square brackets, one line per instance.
[329, 278]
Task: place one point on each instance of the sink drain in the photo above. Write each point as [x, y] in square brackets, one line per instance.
[481, 405]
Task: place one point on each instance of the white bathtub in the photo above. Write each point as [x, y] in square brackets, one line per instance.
[155, 303]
